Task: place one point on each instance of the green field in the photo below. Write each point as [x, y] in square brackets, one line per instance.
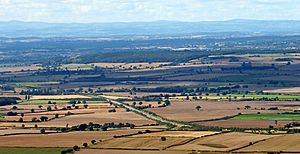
[267, 117]
[12, 150]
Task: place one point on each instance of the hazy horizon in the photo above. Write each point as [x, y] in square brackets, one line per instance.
[106, 11]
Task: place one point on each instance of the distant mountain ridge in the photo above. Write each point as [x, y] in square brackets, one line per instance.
[40, 29]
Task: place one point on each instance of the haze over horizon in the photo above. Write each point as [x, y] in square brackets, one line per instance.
[95, 11]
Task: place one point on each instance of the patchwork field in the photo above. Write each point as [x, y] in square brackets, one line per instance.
[151, 95]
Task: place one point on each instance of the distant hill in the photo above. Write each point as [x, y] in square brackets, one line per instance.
[40, 29]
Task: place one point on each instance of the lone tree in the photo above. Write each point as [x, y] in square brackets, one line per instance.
[163, 138]
[85, 145]
[14, 108]
[247, 107]
[44, 118]
[43, 131]
[76, 148]
[167, 102]
[49, 108]
[93, 141]
[198, 108]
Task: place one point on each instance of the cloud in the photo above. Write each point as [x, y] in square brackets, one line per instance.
[147, 10]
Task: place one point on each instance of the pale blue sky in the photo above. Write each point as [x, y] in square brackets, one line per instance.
[147, 10]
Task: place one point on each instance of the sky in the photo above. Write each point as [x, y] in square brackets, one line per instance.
[96, 11]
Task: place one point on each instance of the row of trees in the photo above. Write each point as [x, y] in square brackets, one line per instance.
[94, 126]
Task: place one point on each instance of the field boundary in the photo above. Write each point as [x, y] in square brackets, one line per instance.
[217, 119]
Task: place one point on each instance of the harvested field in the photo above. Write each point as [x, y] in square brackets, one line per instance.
[185, 110]
[245, 123]
[179, 134]
[9, 131]
[55, 97]
[284, 90]
[19, 68]
[106, 151]
[223, 142]
[285, 143]
[60, 139]
[140, 143]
